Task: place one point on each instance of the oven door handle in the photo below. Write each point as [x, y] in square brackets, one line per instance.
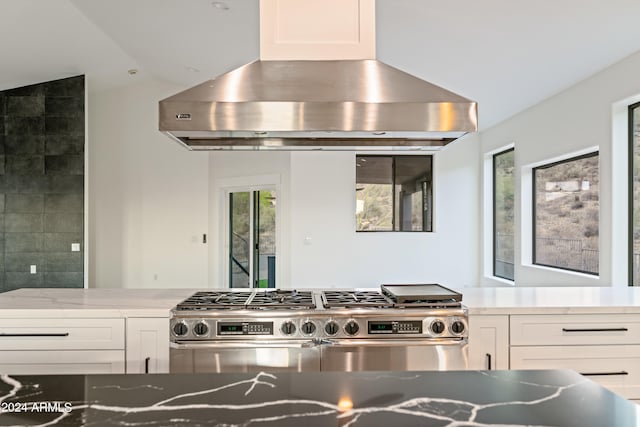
[197, 345]
[382, 342]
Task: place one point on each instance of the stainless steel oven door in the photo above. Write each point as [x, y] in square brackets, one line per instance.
[394, 355]
[244, 356]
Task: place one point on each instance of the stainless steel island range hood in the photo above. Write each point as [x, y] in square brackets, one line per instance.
[333, 105]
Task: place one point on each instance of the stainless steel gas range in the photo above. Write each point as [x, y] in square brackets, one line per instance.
[399, 327]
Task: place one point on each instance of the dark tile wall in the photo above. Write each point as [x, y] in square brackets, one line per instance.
[42, 184]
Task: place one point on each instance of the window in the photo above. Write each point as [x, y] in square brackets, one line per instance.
[634, 193]
[503, 255]
[566, 210]
[394, 193]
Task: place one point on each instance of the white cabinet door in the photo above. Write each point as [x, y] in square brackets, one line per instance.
[319, 30]
[147, 345]
[488, 342]
[616, 367]
[60, 362]
[575, 329]
[62, 334]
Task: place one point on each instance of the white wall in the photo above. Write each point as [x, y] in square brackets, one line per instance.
[320, 247]
[326, 251]
[148, 197]
[575, 119]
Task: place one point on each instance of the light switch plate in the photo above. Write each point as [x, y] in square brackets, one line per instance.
[32, 269]
[75, 247]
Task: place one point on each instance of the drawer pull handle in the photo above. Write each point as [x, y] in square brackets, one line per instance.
[596, 330]
[489, 361]
[59, 334]
[146, 365]
[595, 374]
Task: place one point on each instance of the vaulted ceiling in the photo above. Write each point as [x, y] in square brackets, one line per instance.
[505, 54]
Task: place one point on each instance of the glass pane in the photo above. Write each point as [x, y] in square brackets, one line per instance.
[567, 206]
[636, 196]
[239, 238]
[503, 214]
[266, 233]
[374, 195]
[413, 193]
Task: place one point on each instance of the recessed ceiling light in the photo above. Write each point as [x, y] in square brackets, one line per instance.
[192, 69]
[220, 5]
[132, 71]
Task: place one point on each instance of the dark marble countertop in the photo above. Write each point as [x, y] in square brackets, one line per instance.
[454, 399]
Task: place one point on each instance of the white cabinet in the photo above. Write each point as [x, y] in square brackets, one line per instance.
[61, 346]
[317, 29]
[488, 342]
[147, 345]
[84, 345]
[603, 347]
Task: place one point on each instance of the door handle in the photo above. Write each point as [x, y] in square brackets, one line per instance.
[595, 330]
[488, 361]
[316, 342]
[53, 334]
[146, 365]
[599, 374]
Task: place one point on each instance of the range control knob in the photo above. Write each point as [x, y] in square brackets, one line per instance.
[308, 327]
[200, 329]
[331, 328]
[288, 328]
[437, 327]
[457, 327]
[180, 329]
[351, 328]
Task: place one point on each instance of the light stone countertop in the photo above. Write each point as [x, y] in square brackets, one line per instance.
[115, 303]
[551, 300]
[90, 303]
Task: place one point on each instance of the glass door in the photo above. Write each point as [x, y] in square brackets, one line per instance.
[252, 239]
[240, 240]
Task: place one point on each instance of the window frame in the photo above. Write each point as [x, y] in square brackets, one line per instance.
[393, 158]
[630, 155]
[493, 211]
[533, 210]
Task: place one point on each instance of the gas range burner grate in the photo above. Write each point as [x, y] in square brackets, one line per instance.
[242, 300]
[282, 299]
[207, 300]
[354, 299]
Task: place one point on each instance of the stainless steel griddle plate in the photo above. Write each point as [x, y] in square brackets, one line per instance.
[420, 292]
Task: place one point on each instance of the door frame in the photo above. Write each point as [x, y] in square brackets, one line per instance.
[238, 184]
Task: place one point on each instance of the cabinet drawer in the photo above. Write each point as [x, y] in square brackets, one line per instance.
[62, 334]
[596, 329]
[62, 362]
[615, 367]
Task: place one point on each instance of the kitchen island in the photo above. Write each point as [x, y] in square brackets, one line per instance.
[454, 398]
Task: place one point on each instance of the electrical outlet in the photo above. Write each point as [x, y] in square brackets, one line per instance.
[32, 269]
[75, 247]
